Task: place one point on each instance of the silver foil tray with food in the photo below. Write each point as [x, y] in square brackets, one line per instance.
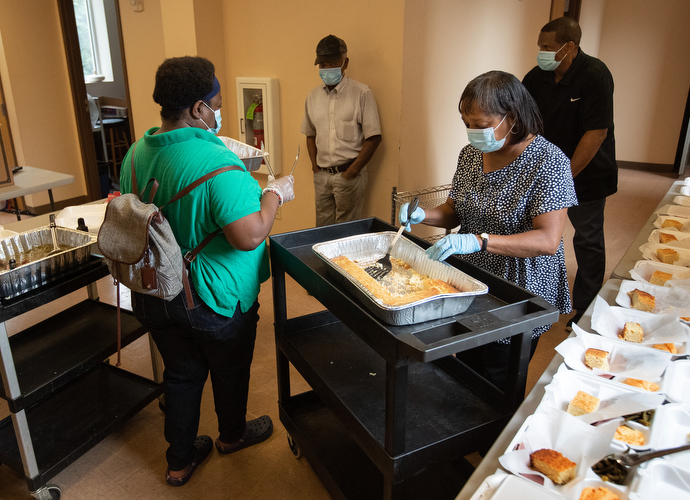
[366, 249]
[34, 264]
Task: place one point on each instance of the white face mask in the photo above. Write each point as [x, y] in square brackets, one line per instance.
[547, 60]
[216, 113]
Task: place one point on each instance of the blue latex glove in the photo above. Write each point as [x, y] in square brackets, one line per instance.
[417, 216]
[453, 243]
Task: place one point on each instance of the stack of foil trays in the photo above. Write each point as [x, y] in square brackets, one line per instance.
[29, 274]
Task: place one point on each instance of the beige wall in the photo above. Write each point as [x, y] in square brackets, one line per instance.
[283, 46]
[647, 48]
[34, 75]
[447, 43]
[416, 55]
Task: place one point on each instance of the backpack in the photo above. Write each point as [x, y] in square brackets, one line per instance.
[139, 247]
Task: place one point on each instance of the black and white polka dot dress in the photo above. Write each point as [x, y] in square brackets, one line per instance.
[505, 202]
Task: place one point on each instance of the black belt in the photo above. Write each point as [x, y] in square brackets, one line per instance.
[339, 168]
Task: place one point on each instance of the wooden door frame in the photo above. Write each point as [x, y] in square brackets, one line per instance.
[82, 115]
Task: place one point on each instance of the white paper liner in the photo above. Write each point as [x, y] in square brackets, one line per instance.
[682, 200]
[581, 443]
[625, 360]
[674, 210]
[661, 479]
[682, 247]
[684, 220]
[644, 269]
[676, 385]
[616, 400]
[667, 300]
[655, 235]
[671, 428]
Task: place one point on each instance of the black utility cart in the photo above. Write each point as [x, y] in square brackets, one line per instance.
[62, 397]
[392, 411]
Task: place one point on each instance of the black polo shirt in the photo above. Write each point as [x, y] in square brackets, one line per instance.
[581, 101]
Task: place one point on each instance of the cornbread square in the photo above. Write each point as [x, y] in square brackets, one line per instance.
[642, 300]
[667, 255]
[553, 465]
[632, 332]
[629, 435]
[668, 347]
[596, 358]
[660, 278]
[666, 237]
[598, 493]
[672, 223]
[642, 384]
[582, 404]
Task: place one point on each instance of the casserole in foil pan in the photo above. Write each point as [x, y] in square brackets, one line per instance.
[366, 249]
[33, 266]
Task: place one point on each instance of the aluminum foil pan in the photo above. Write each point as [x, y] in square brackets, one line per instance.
[33, 266]
[366, 249]
[250, 156]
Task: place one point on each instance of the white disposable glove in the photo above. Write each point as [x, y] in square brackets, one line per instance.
[283, 187]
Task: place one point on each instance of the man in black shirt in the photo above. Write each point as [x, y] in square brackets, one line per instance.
[574, 93]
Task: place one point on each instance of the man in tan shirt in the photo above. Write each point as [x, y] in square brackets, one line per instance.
[341, 122]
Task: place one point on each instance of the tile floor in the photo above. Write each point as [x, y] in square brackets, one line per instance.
[129, 464]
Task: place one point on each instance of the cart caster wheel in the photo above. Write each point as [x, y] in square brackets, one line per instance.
[48, 492]
[293, 447]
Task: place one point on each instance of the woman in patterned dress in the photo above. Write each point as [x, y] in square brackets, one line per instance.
[510, 196]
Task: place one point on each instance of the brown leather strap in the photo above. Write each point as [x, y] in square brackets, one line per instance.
[200, 181]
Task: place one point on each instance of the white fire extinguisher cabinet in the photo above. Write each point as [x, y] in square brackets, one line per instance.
[258, 109]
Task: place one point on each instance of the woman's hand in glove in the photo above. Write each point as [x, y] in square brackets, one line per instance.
[451, 244]
[417, 216]
[283, 187]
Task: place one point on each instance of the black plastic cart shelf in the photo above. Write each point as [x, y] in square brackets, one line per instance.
[62, 396]
[392, 412]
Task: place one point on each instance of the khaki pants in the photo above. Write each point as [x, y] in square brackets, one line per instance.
[339, 200]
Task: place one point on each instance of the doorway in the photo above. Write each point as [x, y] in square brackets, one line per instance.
[87, 139]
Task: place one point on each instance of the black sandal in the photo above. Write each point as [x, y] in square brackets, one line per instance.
[256, 431]
[203, 446]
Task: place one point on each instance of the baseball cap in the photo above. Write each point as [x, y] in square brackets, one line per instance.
[329, 49]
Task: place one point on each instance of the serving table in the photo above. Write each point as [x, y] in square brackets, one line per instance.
[391, 410]
[30, 180]
[62, 397]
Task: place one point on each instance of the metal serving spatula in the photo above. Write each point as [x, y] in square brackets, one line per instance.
[383, 266]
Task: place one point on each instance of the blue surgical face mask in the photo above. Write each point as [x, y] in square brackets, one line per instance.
[484, 139]
[547, 60]
[331, 76]
[216, 113]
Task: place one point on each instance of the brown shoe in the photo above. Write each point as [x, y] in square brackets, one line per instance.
[203, 446]
[255, 431]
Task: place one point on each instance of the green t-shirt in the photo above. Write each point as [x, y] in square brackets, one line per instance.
[222, 274]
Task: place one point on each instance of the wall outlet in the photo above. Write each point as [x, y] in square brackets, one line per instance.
[137, 5]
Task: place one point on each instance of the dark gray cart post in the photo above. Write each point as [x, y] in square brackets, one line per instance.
[391, 411]
[62, 397]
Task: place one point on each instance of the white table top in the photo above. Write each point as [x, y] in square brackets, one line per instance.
[633, 254]
[489, 464]
[30, 180]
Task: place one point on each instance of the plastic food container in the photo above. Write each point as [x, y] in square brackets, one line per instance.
[661, 479]
[29, 274]
[676, 383]
[367, 249]
[93, 216]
